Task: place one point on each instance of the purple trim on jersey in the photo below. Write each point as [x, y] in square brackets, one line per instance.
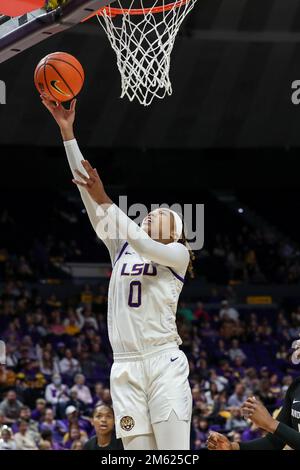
[121, 252]
[177, 275]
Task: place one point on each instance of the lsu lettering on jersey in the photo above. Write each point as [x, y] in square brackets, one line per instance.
[142, 303]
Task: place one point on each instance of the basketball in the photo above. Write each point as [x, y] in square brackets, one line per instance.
[60, 76]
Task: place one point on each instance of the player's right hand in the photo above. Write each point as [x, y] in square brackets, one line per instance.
[217, 441]
[64, 117]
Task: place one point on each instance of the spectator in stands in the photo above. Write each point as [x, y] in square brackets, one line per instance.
[69, 366]
[83, 392]
[25, 415]
[11, 356]
[47, 441]
[200, 313]
[7, 441]
[227, 312]
[211, 394]
[98, 394]
[98, 357]
[48, 422]
[73, 417]
[238, 397]
[88, 317]
[24, 438]
[74, 434]
[220, 381]
[57, 394]
[103, 422]
[56, 326]
[45, 445]
[106, 397]
[235, 350]
[40, 408]
[77, 445]
[249, 434]
[73, 323]
[11, 407]
[48, 364]
[236, 422]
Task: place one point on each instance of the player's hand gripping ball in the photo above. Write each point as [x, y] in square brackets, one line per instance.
[59, 77]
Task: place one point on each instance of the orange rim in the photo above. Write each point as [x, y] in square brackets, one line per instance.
[136, 11]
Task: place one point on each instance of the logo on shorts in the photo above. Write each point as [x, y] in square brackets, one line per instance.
[127, 423]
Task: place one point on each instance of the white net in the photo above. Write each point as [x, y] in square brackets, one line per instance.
[143, 44]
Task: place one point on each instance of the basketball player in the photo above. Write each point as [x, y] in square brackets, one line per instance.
[282, 431]
[149, 378]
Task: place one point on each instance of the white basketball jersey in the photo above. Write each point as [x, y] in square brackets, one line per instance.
[142, 303]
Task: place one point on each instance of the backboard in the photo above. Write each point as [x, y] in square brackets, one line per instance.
[18, 33]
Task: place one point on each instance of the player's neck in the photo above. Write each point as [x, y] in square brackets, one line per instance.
[103, 440]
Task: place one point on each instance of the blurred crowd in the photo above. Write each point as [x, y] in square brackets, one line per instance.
[253, 256]
[59, 358]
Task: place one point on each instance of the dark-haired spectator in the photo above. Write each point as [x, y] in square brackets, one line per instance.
[73, 323]
[238, 397]
[236, 422]
[11, 407]
[74, 434]
[227, 312]
[39, 410]
[98, 357]
[78, 404]
[69, 366]
[235, 350]
[47, 436]
[104, 423]
[48, 364]
[201, 314]
[25, 415]
[98, 394]
[87, 317]
[24, 438]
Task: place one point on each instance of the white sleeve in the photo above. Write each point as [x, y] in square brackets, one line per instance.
[49, 396]
[75, 158]
[173, 255]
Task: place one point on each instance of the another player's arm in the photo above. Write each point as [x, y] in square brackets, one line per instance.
[274, 440]
[280, 428]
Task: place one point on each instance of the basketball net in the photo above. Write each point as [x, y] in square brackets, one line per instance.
[143, 39]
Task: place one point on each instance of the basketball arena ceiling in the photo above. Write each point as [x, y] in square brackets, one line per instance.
[232, 72]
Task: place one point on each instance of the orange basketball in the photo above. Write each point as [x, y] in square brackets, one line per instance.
[60, 76]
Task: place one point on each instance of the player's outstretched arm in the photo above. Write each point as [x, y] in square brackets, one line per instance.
[65, 119]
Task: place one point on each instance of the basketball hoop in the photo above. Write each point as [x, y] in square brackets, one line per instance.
[143, 38]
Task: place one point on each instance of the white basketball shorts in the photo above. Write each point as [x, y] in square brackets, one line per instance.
[146, 387]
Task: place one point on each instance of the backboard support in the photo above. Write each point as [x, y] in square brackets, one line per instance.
[20, 33]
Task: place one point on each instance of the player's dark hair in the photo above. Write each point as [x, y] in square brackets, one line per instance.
[184, 242]
[100, 406]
